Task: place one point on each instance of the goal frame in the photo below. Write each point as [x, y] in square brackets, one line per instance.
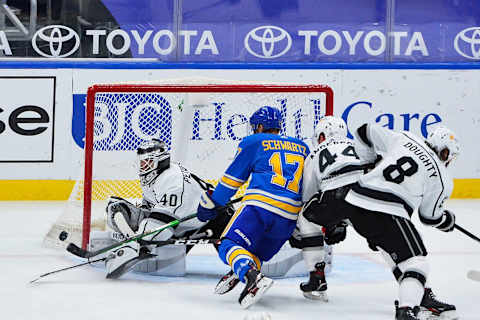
[169, 88]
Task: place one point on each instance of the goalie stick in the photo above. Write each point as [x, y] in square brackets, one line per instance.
[67, 268]
[80, 252]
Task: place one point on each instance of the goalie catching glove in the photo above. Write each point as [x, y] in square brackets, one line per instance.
[124, 217]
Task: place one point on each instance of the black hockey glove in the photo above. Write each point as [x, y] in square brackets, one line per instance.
[336, 233]
[448, 222]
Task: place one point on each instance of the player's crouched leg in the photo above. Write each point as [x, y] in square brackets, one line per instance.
[238, 258]
[246, 267]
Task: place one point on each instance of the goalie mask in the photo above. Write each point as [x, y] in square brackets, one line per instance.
[445, 144]
[330, 127]
[153, 159]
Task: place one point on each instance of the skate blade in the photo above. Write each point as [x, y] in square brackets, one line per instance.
[426, 314]
[316, 295]
[226, 286]
[263, 285]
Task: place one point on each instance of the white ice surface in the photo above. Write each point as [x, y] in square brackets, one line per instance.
[360, 286]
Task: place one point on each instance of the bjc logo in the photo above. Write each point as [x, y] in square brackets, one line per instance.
[123, 124]
[268, 42]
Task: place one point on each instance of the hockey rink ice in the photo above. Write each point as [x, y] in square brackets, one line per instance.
[361, 286]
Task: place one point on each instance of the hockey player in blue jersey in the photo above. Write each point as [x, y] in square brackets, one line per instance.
[268, 213]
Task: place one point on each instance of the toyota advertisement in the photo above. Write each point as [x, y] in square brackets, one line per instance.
[263, 31]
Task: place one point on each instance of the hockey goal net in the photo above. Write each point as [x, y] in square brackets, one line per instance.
[202, 123]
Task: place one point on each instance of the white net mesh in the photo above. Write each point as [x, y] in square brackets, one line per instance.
[202, 130]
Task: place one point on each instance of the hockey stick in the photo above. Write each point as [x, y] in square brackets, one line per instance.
[80, 252]
[466, 232]
[472, 274]
[178, 242]
[199, 238]
[67, 268]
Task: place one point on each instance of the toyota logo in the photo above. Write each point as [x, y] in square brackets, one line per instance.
[268, 42]
[469, 46]
[60, 41]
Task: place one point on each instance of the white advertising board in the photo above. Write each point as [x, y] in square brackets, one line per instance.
[27, 120]
[415, 100]
[35, 124]
[412, 100]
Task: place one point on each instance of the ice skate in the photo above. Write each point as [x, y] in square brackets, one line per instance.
[226, 283]
[257, 285]
[406, 313]
[316, 287]
[432, 308]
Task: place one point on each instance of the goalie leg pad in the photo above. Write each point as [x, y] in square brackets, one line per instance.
[169, 262]
[282, 262]
[121, 260]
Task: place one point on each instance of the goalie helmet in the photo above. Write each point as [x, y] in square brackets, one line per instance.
[153, 159]
[445, 144]
[330, 127]
[268, 117]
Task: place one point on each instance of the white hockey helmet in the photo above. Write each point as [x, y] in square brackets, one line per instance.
[153, 159]
[330, 127]
[445, 144]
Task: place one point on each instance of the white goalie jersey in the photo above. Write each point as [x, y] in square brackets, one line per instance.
[173, 195]
[333, 164]
[407, 176]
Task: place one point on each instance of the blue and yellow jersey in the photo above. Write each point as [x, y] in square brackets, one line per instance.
[276, 165]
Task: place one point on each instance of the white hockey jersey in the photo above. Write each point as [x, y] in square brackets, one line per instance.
[408, 175]
[174, 194]
[333, 164]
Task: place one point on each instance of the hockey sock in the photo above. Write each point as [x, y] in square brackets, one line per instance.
[312, 256]
[238, 258]
[410, 292]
